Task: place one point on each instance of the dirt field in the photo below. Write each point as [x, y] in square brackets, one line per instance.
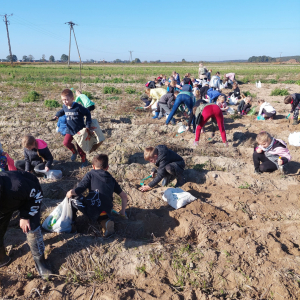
[239, 240]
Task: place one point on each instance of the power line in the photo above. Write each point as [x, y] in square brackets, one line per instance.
[7, 23]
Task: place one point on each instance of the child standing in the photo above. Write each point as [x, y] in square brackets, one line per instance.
[271, 154]
[222, 104]
[84, 101]
[99, 181]
[75, 122]
[266, 109]
[244, 106]
[294, 100]
[169, 164]
[37, 155]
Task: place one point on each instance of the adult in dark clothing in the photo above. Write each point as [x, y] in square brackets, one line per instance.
[99, 203]
[294, 100]
[22, 191]
[37, 155]
[169, 164]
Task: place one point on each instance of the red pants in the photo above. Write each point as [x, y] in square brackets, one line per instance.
[68, 143]
[208, 112]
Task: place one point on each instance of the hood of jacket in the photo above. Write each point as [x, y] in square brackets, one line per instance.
[102, 175]
[41, 144]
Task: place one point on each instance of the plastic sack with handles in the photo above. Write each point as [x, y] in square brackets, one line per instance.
[232, 100]
[294, 139]
[60, 219]
[51, 174]
[231, 111]
[90, 142]
[177, 197]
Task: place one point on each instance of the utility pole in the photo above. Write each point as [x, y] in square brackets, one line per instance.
[280, 57]
[7, 23]
[130, 56]
[72, 28]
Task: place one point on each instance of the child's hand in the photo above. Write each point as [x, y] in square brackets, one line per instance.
[47, 169]
[69, 194]
[258, 150]
[280, 161]
[25, 225]
[152, 174]
[145, 188]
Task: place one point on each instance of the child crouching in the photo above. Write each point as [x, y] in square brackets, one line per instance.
[99, 203]
[169, 164]
[270, 154]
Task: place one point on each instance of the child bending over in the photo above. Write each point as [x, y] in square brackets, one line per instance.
[244, 106]
[271, 154]
[294, 100]
[102, 185]
[84, 101]
[222, 104]
[266, 110]
[75, 122]
[170, 165]
[165, 104]
[37, 155]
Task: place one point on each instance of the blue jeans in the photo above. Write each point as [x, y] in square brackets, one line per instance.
[181, 99]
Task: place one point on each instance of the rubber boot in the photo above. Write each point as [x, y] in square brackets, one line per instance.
[108, 227]
[37, 247]
[156, 115]
[4, 259]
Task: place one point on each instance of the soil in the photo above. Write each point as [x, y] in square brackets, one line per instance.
[239, 240]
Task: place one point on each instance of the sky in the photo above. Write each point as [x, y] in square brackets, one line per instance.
[153, 30]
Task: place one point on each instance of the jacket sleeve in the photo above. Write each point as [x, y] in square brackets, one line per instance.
[84, 184]
[32, 204]
[86, 113]
[27, 161]
[161, 173]
[47, 156]
[60, 113]
[261, 109]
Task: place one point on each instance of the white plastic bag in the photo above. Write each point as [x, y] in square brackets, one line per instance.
[89, 143]
[51, 174]
[231, 111]
[294, 139]
[233, 100]
[181, 129]
[60, 219]
[177, 197]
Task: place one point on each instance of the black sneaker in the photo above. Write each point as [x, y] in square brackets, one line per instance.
[257, 172]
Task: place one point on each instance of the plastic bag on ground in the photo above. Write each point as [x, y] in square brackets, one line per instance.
[89, 143]
[231, 111]
[233, 100]
[260, 118]
[177, 197]
[51, 174]
[60, 219]
[294, 139]
[181, 129]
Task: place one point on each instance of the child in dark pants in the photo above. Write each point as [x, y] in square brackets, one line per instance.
[270, 155]
[244, 106]
[294, 100]
[99, 203]
[75, 122]
[169, 164]
[22, 191]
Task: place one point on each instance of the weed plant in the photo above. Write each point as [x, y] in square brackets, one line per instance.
[52, 104]
[280, 92]
[111, 90]
[31, 97]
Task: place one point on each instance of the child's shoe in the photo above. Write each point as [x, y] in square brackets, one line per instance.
[156, 115]
[74, 156]
[257, 171]
[85, 163]
[108, 227]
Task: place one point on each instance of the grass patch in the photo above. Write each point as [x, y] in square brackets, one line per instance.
[111, 90]
[130, 90]
[113, 98]
[88, 94]
[247, 93]
[273, 81]
[31, 97]
[141, 269]
[52, 103]
[199, 167]
[280, 92]
[245, 186]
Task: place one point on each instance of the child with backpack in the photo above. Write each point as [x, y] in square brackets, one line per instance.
[99, 203]
[75, 122]
[270, 155]
[294, 100]
[266, 110]
[37, 155]
[170, 166]
[245, 105]
[84, 100]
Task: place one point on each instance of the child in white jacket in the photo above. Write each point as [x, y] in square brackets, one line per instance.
[266, 109]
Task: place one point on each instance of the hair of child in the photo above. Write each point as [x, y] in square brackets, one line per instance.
[100, 161]
[28, 141]
[260, 101]
[173, 83]
[263, 137]
[197, 93]
[221, 98]
[147, 91]
[248, 99]
[218, 73]
[210, 70]
[235, 85]
[149, 153]
[187, 75]
[288, 99]
[67, 93]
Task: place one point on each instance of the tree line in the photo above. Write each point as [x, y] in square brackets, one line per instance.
[30, 58]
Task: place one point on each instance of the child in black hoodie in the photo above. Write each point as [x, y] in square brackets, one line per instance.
[99, 203]
[294, 100]
[169, 164]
